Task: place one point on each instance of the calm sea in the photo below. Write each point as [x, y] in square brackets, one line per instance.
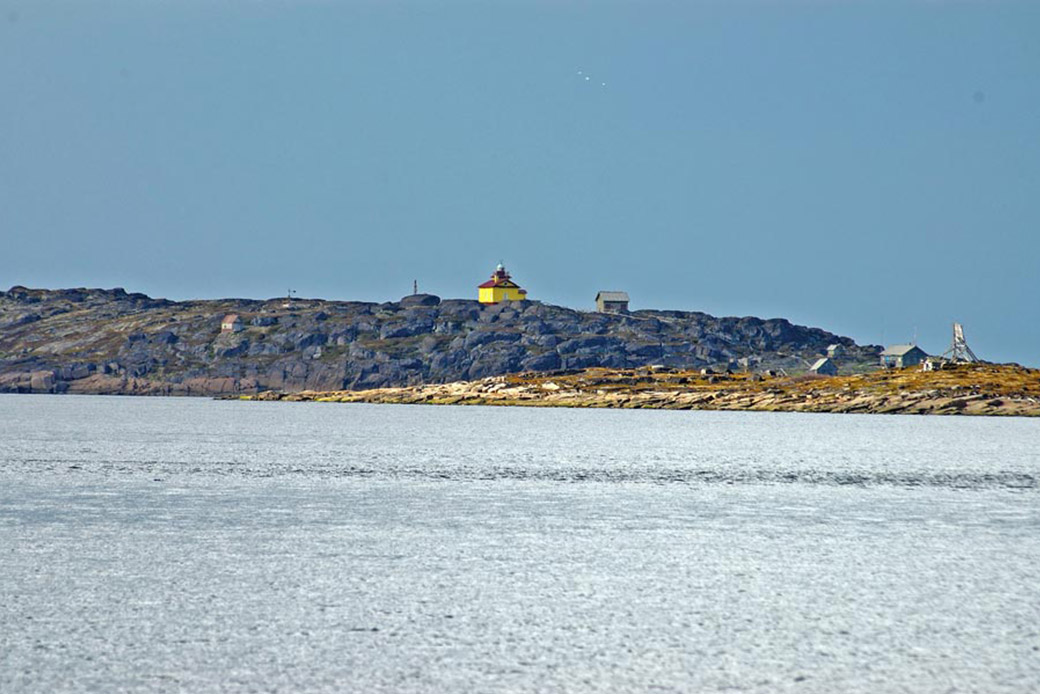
[189, 545]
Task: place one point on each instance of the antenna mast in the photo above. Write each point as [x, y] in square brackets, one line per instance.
[959, 352]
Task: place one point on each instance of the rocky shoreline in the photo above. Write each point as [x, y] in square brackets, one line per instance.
[976, 389]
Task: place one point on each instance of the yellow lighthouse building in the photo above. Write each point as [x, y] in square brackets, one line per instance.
[500, 288]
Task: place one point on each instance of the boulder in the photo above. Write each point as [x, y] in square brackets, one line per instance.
[420, 300]
[74, 372]
[41, 381]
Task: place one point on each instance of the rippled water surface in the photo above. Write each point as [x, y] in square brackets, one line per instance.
[203, 546]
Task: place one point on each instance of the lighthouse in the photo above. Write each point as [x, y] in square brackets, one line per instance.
[500, 288]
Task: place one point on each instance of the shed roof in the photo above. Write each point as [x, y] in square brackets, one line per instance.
[612, 296]
[231, 318]
[899, 350]
[819, 364]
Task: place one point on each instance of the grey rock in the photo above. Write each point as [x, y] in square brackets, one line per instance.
[477, 338]
[41, 381]
[594, 342]
[644, 351]
[408, 328]
[74, 372]
[542, 362]
[420, 300]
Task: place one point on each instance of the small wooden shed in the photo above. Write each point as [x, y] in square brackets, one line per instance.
[901, 356]
[612, 302]
[824, 367]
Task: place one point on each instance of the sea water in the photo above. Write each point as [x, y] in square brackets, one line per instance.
[191, 545]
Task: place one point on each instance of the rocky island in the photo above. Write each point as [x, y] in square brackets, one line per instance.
[115, 342]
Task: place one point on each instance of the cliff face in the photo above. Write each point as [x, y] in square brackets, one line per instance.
[109, 341]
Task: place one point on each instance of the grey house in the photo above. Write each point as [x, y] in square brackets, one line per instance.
[612, 302]
[835, 351]
[900, 356]
[824, 367]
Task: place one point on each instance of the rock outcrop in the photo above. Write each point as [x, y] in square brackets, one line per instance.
[111, 341]
[970, 389]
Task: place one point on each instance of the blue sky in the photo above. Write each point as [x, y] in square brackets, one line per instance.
[871, 168]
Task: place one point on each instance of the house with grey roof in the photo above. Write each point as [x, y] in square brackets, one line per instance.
[901, 356]
[612, 302]
[836, 350]
[824, 367]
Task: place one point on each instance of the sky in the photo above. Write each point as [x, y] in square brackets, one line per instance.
[871, 168]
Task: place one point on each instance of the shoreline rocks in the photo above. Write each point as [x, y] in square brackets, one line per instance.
[984, 389]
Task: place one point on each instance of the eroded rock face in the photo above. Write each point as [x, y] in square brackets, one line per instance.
[94, 340]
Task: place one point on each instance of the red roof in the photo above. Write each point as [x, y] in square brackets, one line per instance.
[500, 279]
[498, 283]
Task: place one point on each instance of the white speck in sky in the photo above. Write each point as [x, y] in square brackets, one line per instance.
[588, 78]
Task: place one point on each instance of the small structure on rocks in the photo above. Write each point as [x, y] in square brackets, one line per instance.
[612, 302]
[901, 356]
[959, 351]
[835, 351]
[500, 287]
[746, 363]
[232, 323]
[824, 367]
[289, 300]
[934, 364]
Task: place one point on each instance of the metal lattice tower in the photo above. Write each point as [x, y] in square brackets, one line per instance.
[959, 352]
